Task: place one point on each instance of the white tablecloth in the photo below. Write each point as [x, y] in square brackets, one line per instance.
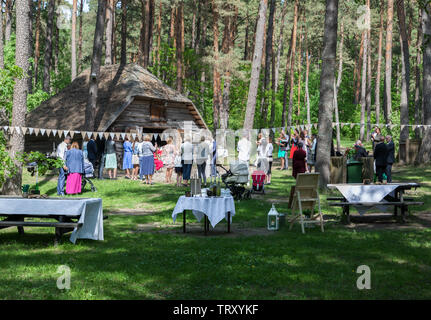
[216, 209]
[366, 193]
[90, 213]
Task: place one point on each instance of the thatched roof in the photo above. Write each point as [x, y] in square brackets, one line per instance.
[118, 86]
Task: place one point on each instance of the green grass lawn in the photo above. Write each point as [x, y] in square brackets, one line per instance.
[130, 264]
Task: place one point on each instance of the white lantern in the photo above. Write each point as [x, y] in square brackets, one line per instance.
[273, 219]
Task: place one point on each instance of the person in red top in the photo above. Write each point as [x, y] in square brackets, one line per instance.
[299, 161]
[158, 164]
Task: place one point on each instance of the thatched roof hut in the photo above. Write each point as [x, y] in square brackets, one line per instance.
[147, 101]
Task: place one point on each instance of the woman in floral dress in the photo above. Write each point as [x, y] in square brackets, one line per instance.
[169, 153]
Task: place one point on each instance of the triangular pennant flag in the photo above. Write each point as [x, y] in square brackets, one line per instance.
[392, 126]
[106, 135]
[6, 128]
[333, 125]
[315, 126]
[65, 133]
[94, 134]
[352, 125]
[112, 135]
[414, 127]
[402, 127]
[30, 130]
[24, 130]
[123, 135]
[36, 131]
[100, 134]
[273, 130]
[48, 132]
[42, 131]
[60, 133]
[72, 133]
[18, 130]
[156, 135]
[11, 130]
[54, 132]
[134, 136]
[117, 136]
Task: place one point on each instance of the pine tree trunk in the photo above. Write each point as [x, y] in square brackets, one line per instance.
[418, 101]
[159, 37]
[81, 8]
[216, 74]
[180, 46]
[123, 58]
[363, 87]
[379, 64]
[8, 24]
[327, 80]
[368, 94]
[337, 87]
[286, 81]
[268, 57]
[36, 44]
[73, 64]
[358, 71]
[301, 37]
[405, 78]
[256, 65]
[109, 30]
[307, 92]
[90, 111]
[292, 65]
[22, 56]
[424, 155]
[1, 37]
[48, 47]
[280, 46]
[388, 67]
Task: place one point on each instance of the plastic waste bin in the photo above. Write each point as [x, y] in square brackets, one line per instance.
[354, 171]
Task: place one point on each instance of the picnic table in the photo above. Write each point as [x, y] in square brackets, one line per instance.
[81, 216]
[212, 209]
[365, 197]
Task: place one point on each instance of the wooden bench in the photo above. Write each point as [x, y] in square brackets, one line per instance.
[403, 205]
[64, 225]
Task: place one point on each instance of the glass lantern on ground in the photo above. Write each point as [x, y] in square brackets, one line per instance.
[273, 219]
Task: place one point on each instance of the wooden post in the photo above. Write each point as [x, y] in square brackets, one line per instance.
[228, 222]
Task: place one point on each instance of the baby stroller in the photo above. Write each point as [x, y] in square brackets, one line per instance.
[88, 174]
[235, 180]
[258, 181]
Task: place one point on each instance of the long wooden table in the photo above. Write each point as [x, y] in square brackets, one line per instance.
[397, 201]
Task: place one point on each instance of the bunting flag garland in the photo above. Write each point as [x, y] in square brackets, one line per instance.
[123, 135]
[100, 134]
[48, 132]
[72, 133]
[31, 130]
[117, 136]
[112, 135]
[106, 135]
[42, 132]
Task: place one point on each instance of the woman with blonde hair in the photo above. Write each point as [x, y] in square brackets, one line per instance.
[146, 160]
[169, 153]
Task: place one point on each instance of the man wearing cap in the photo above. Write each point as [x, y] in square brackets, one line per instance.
[61, 154]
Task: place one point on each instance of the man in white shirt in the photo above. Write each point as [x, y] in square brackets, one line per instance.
[203, 151]
[61, 153]
[243, 148]
[187, 158]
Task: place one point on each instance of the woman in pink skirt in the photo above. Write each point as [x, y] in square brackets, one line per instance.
[75, 168]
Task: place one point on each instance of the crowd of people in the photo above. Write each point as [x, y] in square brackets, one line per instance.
[142, 158]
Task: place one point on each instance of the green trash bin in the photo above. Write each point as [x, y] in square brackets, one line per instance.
[354, 171]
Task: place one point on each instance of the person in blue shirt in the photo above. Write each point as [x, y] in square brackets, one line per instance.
[74, 167]
[127, 158]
